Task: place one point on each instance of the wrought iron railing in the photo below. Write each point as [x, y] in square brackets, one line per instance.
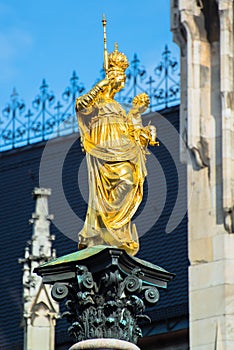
[50, 118]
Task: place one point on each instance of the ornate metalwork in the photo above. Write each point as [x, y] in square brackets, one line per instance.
[163, 90]
[14, 130]
[135, 77]
[49, 117]
[46, 119]
[68, 117]
[167, 90]
[107, 305]
[105, 291]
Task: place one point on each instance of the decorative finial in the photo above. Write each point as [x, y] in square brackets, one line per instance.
[116, 47]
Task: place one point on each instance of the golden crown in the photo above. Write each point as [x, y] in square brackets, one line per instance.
[117, 60]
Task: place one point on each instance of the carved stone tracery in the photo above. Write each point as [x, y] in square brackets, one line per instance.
[204, 32]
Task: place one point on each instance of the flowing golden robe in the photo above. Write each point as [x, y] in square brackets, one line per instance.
[116, 170]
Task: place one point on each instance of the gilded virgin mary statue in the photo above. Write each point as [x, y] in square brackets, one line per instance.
[115, 144]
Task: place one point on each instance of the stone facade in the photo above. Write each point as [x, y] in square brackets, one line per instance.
[203, 29]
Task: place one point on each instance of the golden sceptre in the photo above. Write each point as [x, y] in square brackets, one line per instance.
[105, 45]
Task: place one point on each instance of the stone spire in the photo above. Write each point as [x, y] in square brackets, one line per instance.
[41, 238]
[39, 310]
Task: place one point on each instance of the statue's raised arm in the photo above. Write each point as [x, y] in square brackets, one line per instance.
[87, 100]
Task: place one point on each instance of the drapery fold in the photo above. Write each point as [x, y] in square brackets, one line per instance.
[116, 170]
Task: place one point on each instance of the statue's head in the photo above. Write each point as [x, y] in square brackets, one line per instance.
[117, 60]
[117, 64]
[141, 102]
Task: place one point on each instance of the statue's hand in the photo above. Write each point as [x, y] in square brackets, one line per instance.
[154, 143]
[152, 138]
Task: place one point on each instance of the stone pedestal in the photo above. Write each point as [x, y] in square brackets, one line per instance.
[104, 344]
[105, 292]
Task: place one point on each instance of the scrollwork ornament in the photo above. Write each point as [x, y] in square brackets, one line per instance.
[88, 280]
[85, 298]
[85, 278]
[59, 291]
[133, 284]
[151, 295]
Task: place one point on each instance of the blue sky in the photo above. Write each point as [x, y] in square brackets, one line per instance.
[49, 39]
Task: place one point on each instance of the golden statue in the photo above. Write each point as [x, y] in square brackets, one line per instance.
[116, 146]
